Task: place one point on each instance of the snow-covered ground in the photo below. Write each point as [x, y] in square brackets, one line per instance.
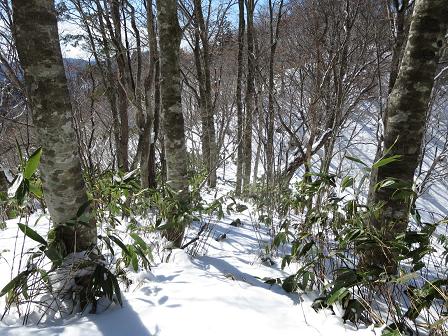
[220, 293]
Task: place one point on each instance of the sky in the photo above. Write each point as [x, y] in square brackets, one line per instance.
[71, 51]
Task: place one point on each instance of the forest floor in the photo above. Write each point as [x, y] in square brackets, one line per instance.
[220, 292]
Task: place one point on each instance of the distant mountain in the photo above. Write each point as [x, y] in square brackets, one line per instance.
[73, 66]
[75, 62]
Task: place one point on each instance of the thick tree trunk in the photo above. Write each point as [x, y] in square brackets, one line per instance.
[173, 120]
[239, 102]
[37, 41]
[398, 26]
[406, 112]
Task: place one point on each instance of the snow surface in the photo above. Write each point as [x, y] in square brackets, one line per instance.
[220, 293]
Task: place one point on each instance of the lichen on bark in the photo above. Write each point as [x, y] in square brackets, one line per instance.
[37, 40]
[405, 124]
[173, 120]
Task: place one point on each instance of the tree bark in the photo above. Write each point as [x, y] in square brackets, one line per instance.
[210, 158]
[152, 105]
[239, 101]
[406, 114]
[400, 39]
[273, 37]
[152, 146]
[37, 41]
[173, 121]
[250, 93]
[122, 81]
[398, 26]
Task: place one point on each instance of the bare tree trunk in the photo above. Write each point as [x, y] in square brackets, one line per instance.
[37, 41]
[152, 105]
[4, 185]
[153, 144]
[400, 39]
[211, 156]
[273, 37]
[173, 121]
[250, 93]
[406, 115]
[205, 135]
[122, 150]
[397, 52]
[239, 102]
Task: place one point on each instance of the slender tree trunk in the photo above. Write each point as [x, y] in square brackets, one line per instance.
[153, 144]
[4, 185]
[239, 101]
[202, 102]
[173, 120]
[152, 104]
[211, 156]
[407, 108]
[122, 80]
[400, 39]
[37, 41]
[273, 37]
[250, 93]
[109, 80]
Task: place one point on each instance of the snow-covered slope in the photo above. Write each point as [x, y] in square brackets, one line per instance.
[221, 293]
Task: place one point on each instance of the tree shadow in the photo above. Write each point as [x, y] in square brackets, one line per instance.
[124, 321]
[115, 321]
[225, 268]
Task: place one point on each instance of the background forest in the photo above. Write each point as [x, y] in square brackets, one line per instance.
[308, 137]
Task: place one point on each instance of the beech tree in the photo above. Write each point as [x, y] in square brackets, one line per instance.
[250, 96]
[205, 92]
[173, 120]
[37, 42]
[405, 124]
[239, 100]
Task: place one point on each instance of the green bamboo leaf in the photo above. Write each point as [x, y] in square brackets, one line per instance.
[13, 283]
[36, 188]
[134, 261]
[280, 238]
[384, 184]
[338, 295]
[386, 160]
[32, 163]
[117, 241]
[117, 290]
[139, 241]
[30, 233]
[347, 182]
[354, 159]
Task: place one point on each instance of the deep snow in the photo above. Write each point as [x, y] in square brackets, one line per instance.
[220, 293]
